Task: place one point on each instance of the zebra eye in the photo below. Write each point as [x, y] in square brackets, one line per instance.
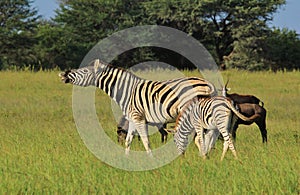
[85, 70]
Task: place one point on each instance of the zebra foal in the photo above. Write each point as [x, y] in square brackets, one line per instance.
[141, 101]
[213, 114]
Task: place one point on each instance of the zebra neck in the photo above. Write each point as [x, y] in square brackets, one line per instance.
[118, 84]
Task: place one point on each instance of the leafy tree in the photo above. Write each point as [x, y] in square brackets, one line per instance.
[282, 50]
[48, 49]
[17, 31]
[249, 34]
[234, 31]
[182, 15]
[247, 47]
[221, 25]
[85, 22]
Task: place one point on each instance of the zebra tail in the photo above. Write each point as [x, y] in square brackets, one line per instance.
[253, 117]
[238, 114]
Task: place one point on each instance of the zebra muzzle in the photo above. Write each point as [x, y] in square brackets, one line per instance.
[63, 76]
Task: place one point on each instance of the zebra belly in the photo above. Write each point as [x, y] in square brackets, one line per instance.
[159, 118]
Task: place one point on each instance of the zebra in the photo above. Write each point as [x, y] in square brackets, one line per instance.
[141, 101]
[210, 113]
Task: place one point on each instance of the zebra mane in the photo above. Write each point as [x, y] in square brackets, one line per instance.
[106, 67]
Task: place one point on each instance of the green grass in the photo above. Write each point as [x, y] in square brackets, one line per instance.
[42, 152]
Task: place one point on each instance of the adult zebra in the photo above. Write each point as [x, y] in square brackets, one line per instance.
[213, 114]
[140, 100]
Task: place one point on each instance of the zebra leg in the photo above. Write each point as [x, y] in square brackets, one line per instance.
[228, 143]
[129, 137]
[142, 129]
[200, 142]
[214, 134]
[225, 148]
[224, 125]
[197, 142]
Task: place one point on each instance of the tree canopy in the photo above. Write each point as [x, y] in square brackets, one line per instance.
[18, 22]
[234, 31]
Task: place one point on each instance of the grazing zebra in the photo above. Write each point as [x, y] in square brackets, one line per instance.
[213, 114]
[142, 101]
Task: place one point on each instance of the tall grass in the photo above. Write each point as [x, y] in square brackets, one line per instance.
[41, 151]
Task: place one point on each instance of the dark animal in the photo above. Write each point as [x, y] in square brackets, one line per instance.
[122, 130]
[248, 105]
[240, 99]
[259, 114]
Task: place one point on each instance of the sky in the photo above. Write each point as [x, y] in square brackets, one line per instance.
[286, 16]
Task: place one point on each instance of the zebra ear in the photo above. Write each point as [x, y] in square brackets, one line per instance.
[98, 65]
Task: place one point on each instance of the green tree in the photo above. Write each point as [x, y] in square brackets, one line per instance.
[85, 22]
[282, 50]
[221, 25]
[17, 32]
[48, 49]
[249, 34]
[234, 31]
[248, 46]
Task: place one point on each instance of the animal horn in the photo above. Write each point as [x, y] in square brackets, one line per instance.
[227, 83]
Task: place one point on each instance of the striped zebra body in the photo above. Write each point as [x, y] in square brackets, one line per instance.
[140, 100]
[213, 114]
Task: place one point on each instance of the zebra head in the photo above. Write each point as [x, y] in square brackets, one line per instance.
[85, 76]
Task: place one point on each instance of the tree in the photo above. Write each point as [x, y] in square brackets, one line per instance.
[249, 34]
[234, 31]
[50, 49]
[85, 22]
[218, 24]
[17, 31]
[247, 47]
[282, 50]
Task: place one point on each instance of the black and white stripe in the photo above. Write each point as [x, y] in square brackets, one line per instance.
[213, 114]
[141, 100]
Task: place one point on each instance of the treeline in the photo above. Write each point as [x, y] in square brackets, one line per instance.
[235, 32]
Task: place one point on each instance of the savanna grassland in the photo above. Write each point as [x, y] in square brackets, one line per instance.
[42, 152]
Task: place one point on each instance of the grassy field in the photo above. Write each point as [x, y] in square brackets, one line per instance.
[42, 152]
